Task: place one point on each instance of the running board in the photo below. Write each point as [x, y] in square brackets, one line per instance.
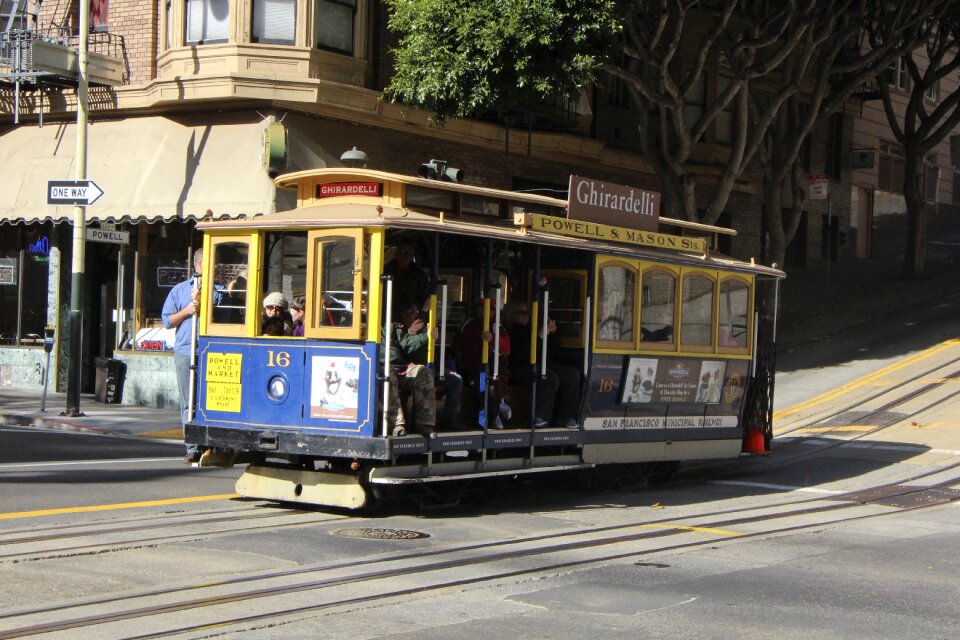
[446, 472]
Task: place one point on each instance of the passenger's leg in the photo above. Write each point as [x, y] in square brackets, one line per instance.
[395, 418]
[568, 402]
[424, 401]
[182, 365]
[546, 394]
[452, 385]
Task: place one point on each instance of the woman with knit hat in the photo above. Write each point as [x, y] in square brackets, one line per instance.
[276, 319]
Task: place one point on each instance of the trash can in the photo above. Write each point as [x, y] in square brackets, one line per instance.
[109, 385]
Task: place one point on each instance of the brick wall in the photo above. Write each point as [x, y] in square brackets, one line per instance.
[136, 21]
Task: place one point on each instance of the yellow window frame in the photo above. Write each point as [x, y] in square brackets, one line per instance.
[615, 346]
[315, 298]
[749, 282]
[674, 272]
[712, 276]
[249, 325]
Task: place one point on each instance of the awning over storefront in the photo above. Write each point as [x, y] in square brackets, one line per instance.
[148, 168]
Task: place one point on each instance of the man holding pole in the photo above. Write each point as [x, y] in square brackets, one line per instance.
[179, 309]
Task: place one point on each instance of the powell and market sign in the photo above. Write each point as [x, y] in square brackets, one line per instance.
[614, 213]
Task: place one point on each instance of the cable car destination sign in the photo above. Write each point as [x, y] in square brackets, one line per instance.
[613, 204]
[611, 213]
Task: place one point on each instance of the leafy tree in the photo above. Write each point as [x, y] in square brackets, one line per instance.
[463, 57]
[460, 57]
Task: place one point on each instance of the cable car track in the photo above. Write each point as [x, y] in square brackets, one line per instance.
[510, 551]
[124, 545]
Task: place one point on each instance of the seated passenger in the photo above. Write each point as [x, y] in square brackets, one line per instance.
[468, 348]
[410, 375]
[410, 282]
[663, 334]
[558, 395]
[272, 326]
[296, 314]
[275, 305]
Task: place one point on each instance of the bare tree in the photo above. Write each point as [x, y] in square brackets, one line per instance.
[922, 125]
[833, 62]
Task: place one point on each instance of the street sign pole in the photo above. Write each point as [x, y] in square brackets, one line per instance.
[79, 226]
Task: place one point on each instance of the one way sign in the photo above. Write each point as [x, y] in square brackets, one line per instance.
[84, 192]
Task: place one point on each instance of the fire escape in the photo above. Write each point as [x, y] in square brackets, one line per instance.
[35, 60]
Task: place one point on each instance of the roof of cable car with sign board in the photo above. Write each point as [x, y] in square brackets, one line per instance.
[363, 197]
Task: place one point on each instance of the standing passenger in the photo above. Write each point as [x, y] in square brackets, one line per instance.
[179, 309]
[558, 394]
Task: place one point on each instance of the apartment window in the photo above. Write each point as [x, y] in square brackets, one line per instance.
[891, 166]
[20, 20]
[207, 21]
[335, 25]
[897, 74]
[724, 123]
[274, 21]
[99, 14]
[834, 155]
[933, 91]
[695, 104]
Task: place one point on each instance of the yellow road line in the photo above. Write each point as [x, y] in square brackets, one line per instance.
[718, 532]
[849, 427]
[866, 380]
[111, 507]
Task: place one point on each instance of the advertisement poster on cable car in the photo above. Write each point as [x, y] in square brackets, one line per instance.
[647, 392]
[333, 390]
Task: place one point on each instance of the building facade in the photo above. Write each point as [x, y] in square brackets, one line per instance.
[198, 104]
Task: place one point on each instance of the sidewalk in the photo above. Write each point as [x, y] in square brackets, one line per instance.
[818, 303]
[813, 304]
[21, 407]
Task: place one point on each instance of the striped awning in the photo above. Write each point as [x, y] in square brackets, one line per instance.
[150, 168]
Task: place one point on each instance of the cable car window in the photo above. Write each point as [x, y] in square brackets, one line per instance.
[284, 272]
[658, 307]
[696, 311]
[734, 313]
[335, 273]
[477, 206]
[567, 298]
[616, 292]
[424, 198]
[230, 273]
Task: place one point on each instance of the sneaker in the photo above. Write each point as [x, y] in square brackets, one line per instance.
[192, 457]
[497, 423]
[399, 430]
[540, 423]
[569, 423]
[505, 411]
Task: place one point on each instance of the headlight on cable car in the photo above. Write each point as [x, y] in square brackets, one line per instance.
[277, 388]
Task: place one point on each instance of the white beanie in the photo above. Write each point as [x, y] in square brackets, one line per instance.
[276, 299]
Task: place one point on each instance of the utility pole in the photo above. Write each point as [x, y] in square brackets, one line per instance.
[79, 224]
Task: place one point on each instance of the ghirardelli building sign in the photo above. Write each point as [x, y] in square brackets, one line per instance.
[613, 204]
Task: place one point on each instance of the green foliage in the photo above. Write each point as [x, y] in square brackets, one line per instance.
[464, 57]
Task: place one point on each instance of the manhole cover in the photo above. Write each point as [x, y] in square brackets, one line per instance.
[382, 534]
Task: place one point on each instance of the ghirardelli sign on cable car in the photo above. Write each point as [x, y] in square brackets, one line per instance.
[613, 204]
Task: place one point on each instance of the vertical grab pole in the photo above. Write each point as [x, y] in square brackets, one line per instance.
[496, 337]
[544, 327]
[443, 328]
[586, 339]
[191, 403]
[388, 334]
